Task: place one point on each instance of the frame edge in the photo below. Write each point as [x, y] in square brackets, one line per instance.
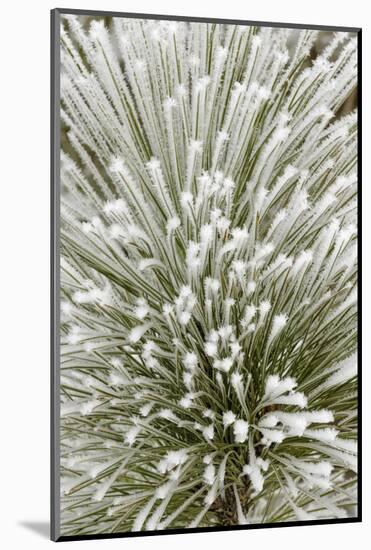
[54, 275]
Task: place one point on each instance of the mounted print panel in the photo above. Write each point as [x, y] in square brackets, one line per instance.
[205, 207]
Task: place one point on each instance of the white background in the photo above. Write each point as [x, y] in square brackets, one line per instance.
[24, 270]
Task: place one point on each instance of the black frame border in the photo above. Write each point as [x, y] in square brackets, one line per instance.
[55, 273]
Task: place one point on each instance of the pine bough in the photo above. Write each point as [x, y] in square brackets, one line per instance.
[208, 293]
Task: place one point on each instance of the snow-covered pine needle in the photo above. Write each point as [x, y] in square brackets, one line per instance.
[208, 258]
